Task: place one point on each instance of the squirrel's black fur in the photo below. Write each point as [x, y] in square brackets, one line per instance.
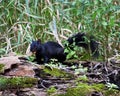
[80, 39]
[45, 52]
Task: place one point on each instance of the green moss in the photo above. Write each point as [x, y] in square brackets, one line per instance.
[2, 68]
[112, 92]
[82, 78]
[57, 72]
[16, 82]
[51, 90]
[98, 87]
[105, 91]
[78, 91]
[83, 89]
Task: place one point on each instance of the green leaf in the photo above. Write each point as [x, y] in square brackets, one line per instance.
[112, 21]
[104, 23]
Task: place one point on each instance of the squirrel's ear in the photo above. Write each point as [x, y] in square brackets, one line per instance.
[39, 40]
[32, 41]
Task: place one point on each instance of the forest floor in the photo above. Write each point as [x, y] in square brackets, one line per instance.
[20, 77]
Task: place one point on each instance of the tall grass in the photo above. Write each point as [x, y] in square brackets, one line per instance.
[24, 20]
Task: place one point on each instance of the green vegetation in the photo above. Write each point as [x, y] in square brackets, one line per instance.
[16, 82]
[82, 78]
[71, 53]
[55, 72]
[22, 21]
[2, 68]
[84, 89]
[51, 91]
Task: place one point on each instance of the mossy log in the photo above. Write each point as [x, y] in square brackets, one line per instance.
[16, 82]
[55, 72]
[84, 89]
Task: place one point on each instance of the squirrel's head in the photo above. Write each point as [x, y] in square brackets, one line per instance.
[35, 45]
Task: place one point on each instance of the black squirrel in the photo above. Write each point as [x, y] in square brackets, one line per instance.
[45, 52]
[79, 39]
